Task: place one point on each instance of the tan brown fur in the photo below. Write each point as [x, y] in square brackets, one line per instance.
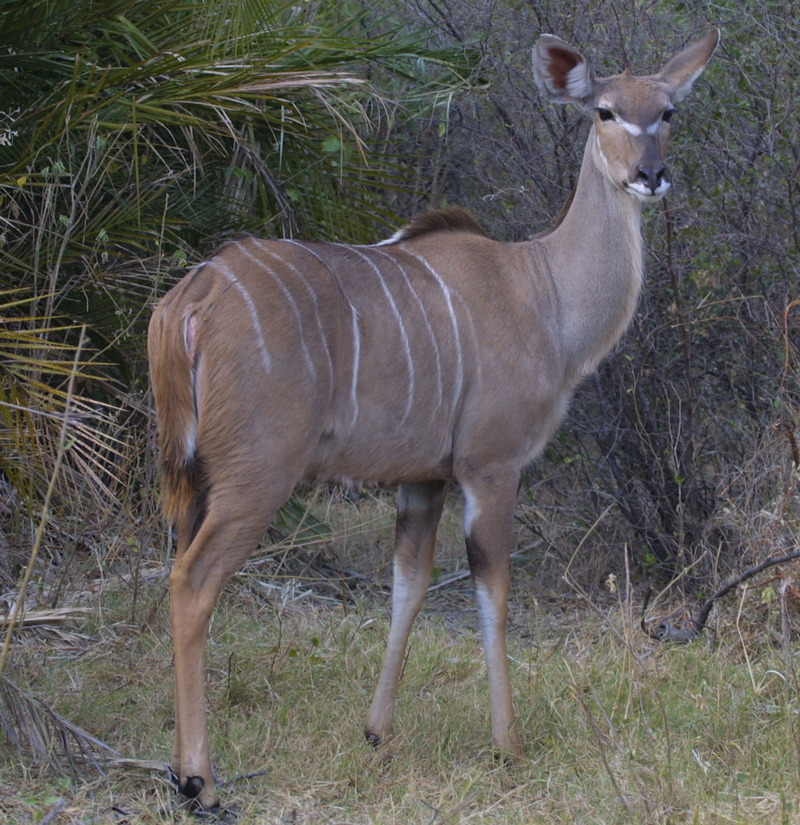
[438, 356]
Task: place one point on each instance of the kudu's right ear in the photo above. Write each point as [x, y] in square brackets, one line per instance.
[562, 73]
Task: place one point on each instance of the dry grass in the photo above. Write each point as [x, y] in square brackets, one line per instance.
[618, 729]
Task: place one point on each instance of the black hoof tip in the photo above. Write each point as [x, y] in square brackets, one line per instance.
[193, 787]
[373, 739]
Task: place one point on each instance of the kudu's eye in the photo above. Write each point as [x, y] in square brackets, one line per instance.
[605, 114]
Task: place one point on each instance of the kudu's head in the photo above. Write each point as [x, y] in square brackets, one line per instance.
[631, 114]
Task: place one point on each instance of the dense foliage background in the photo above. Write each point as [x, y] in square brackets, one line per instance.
[135, 136]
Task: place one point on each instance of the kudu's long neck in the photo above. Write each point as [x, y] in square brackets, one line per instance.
[595, 260]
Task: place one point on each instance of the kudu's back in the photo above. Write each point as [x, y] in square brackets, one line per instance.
[330, 362]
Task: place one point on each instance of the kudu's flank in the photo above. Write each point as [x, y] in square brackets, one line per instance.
[437, 355]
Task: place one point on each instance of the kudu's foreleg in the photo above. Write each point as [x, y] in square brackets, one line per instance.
[419, 508]
[488, 528]
[223, 543]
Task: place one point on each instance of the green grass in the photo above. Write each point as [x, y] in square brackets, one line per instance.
[618, 729]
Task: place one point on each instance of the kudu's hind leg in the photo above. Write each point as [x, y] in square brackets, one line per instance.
[226, 538]
[419, 508]
[184, 534]
[488, 527]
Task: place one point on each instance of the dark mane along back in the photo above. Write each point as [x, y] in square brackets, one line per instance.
[449, 219]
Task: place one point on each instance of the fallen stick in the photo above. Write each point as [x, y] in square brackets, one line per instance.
[667, 632]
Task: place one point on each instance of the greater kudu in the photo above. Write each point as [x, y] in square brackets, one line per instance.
[437, 355]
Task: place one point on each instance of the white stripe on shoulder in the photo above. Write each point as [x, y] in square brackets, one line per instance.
[453, 321]
[311, 293]
[355, 328]
[424, 315]
[402, 327]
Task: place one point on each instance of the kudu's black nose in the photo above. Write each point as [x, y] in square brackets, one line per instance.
[652, 176]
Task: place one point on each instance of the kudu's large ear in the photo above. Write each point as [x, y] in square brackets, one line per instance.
[681, 72]
[562, 73]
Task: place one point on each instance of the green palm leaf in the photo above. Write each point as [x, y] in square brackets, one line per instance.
[135, 136]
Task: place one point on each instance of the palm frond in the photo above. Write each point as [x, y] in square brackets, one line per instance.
[135, 136]
[39, 733]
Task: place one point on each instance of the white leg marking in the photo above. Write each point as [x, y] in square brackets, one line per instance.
[401, 591]
[492, 633]
[289, 299]
[453, 320]
[266, 362]
[471, 509]
[403, 333]
[428, 327]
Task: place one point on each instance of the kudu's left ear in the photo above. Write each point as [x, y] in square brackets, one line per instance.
[562, 73]
[680, 73]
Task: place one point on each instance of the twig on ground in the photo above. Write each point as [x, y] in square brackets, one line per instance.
[665, 631]
[241, 778]
[54, 811]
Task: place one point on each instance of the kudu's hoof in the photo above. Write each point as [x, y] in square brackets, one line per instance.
[192, 789]
[382, 752]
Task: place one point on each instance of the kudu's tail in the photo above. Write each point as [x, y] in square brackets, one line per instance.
[170, 350]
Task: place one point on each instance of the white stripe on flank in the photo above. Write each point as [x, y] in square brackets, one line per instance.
[476, 349]
[424, 315]
[356, 364]
[453, 320]
[403, 333]
[266, 362]
[356, 331]
[312, 295]
[289, 298]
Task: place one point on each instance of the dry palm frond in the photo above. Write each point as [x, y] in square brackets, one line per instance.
[45, 627]
[34, 618]
[47, 737]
